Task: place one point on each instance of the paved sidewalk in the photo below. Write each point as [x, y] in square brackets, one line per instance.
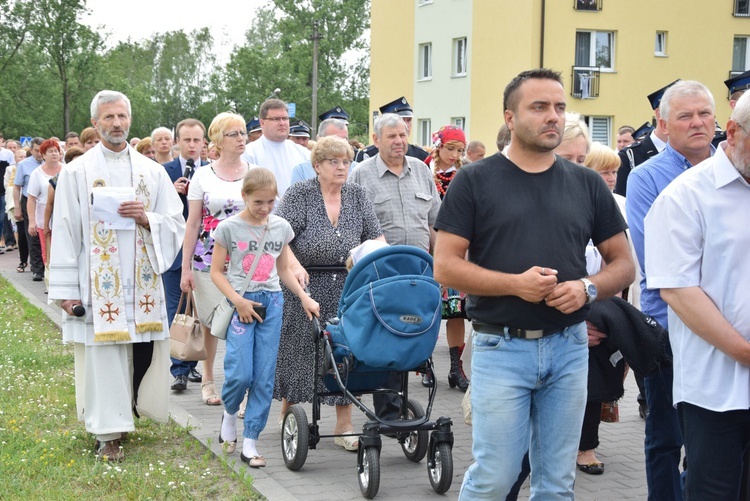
[330, 472]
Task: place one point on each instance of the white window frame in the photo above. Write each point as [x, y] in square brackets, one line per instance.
[425, 61]
[592, 62]
[460, 64]
[459, 122]
[425, 131]
[660, 44]
[746, 62]
[595, 123]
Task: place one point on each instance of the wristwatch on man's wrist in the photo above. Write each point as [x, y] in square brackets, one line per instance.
[590, 290]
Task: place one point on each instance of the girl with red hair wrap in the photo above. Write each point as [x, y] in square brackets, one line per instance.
[449, 144]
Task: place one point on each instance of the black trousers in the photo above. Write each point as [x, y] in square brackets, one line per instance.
[34, 245]
[592, 416]
[10, 238]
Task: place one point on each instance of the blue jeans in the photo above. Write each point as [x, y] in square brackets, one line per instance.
[716, 443]
[526, 395]
[663, 443]
[250, 362]
[171, 281]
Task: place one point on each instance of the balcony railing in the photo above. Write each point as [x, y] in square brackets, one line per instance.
[741, 8]
[585, 82]
[592, 5]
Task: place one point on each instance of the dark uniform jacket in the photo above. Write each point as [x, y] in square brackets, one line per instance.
[630, 158]
[372, 150]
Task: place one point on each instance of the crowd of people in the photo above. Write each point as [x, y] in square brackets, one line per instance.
[575, 263]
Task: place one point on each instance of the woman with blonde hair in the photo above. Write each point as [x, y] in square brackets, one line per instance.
[605, 381]
[575, 141]
[215, 193]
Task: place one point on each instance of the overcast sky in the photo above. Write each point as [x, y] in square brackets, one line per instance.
[140, 19]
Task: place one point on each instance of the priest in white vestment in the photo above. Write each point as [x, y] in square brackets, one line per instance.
[118, 226]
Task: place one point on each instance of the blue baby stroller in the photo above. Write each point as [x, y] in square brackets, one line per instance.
[388, 322]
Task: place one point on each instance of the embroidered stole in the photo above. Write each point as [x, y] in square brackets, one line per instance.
[107, 282]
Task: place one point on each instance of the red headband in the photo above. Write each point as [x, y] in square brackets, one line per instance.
[448, 133]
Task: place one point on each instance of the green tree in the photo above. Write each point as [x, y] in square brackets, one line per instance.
[278, 53]
[72, 49]
[168, 78]
[28, 95]
[15, 25]
[48, 60]
[182, 80]
[128, 68]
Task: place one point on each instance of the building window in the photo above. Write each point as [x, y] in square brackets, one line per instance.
[459, 57]
[588, 5]
[595, 48]
[742, 8]
[425, 132]
[425, 61]
[600, 128]
[660, 44]
[459, 122]
[739, 54]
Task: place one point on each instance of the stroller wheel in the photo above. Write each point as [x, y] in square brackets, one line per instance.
[415, 444]
[440, 467]
[369, 474]
[295, 437]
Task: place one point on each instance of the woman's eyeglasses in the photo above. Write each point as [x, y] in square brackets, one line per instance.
[337, 162]
[236, 134]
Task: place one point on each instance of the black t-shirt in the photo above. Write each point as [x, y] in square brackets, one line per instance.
[515, 220]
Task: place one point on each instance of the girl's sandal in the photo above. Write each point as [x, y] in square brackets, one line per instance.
[21, 267]
[208, 392]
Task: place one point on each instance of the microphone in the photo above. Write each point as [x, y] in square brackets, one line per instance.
[79, 310]
[189, 168]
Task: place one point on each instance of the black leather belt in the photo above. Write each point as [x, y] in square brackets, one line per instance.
[499, 330]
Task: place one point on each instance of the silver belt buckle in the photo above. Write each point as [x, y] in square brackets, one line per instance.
[537, 334]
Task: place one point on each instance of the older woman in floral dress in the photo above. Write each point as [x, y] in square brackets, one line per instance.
[329, 217]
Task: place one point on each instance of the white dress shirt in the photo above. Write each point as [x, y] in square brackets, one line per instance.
[696, 235]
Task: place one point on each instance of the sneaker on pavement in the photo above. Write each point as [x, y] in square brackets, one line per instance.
[194, 376]
[180, 383]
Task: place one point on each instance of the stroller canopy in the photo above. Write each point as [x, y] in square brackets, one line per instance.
[390, 308]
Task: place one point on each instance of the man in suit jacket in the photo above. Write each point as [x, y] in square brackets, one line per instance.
[190, 133]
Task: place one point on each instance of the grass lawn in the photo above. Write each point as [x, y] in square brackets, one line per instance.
[46, 453]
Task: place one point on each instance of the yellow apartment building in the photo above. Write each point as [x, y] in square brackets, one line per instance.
[453, 58]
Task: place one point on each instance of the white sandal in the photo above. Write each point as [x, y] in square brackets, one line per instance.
[348, 441]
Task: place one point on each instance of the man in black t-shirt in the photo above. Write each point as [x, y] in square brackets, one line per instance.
[525, 221]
